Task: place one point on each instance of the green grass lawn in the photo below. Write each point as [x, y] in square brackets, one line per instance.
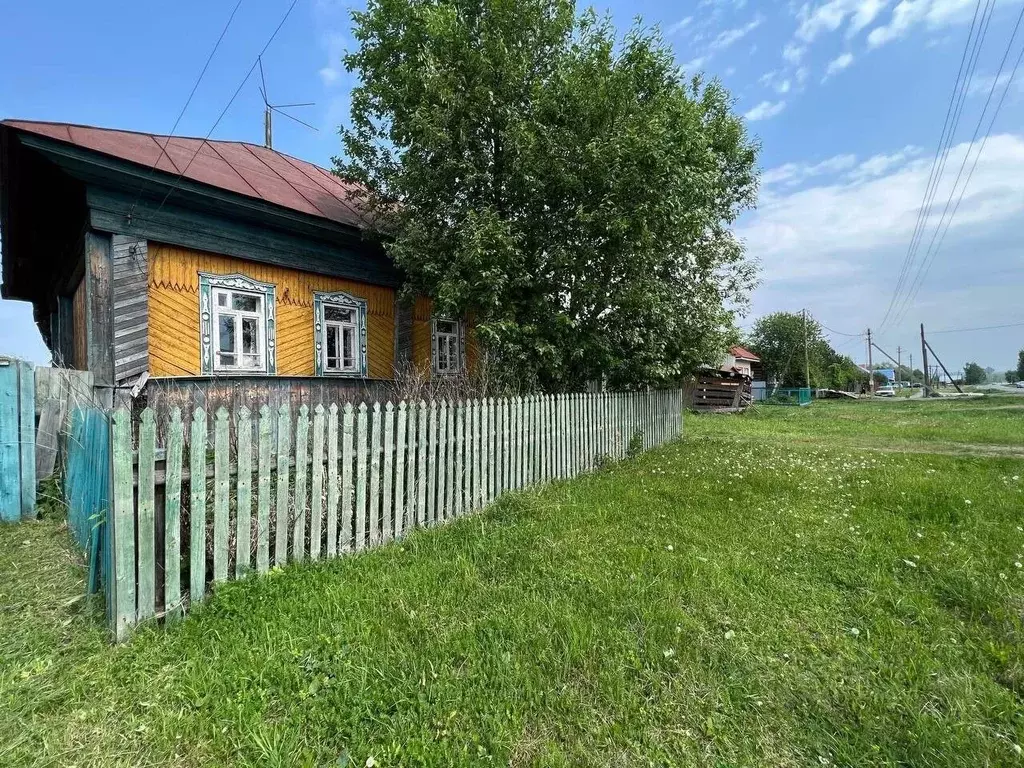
[791, 599]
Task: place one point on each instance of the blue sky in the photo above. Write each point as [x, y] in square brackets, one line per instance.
[847, 96]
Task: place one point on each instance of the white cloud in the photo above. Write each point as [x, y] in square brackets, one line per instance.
[982, 85]
[838, 64]
[793, 53]
[679, 26]
[838, 247]
[775, 81]
[765, 110]
[908, 14]
[334, 44]
[878, 165]
[694, 65]
[793, 232]
[830, 16]
[792, 174]
[730, 36]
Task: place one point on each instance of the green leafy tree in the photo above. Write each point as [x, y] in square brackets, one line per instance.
[1011, 377]
[778, 339]
[1020, 365]
[974, 374]
[565, 187]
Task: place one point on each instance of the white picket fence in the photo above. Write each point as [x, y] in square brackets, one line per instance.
[337, 481]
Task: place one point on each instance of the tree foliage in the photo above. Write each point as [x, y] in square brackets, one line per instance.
[561, 185]
[778, 339]
[1020, 365]
[974, 374]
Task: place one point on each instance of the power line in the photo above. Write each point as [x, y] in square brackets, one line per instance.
[231, 101]
[840, 333]
[933, 247]
[981, 328]
[954, 109]
[195, 86]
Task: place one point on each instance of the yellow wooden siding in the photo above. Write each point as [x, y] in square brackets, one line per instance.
[421, 338]
[174, 312]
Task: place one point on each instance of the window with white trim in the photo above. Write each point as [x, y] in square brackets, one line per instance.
[339, 334]
[239, 325]
[447, 346]
[236, 324]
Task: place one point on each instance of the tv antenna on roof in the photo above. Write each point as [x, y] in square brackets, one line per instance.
[269, 110]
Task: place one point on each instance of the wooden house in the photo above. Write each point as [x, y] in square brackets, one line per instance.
[195, 270]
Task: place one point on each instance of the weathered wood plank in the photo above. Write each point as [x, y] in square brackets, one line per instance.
[444, 466]
[197, 506]
[410, 468]
[221, 495]
[147, 518]
[27, 437]
[283, 471]
[460, 436]
[421, 465]
[243, 488]
[468, 460]
[317, 502]
[263, 493]
[387, 505]
[361, 501]
[373, 499]
[172, 518]
[301, 470]
[122, 532]
[400, 434]
[342, 541]
[10, 454]
[432, 452]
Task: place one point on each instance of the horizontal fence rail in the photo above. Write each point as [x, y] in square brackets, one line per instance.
[274, 487]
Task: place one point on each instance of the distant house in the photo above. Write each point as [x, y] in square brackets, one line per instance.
[741, 360]
[213, 266]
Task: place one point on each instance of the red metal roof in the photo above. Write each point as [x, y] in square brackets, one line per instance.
[742, 353]
[235, 166]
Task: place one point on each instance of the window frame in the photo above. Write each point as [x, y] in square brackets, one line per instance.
[341, 300]
[460, 346]
[209, 327]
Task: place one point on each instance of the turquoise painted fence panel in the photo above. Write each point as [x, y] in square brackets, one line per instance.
[87, 488]
[17, 440]
[10, 453]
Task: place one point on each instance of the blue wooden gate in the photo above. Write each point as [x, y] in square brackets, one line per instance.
[17, 440]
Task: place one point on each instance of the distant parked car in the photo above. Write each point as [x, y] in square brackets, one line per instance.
[1020, 385]
[886, 391]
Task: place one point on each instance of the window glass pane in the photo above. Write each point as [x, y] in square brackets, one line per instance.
[222, 299]
[245, 303]
[442, 352]
[337, 314]
[332, 347]
[226, 334]
[251, 361]
[445, 326]
[250, 336]
[227, 360]
[348, 348]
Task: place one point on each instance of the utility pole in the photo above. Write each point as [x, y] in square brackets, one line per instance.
[899, 357]
[807, 358]
[871, 368]
[924, 356]
[268, 127]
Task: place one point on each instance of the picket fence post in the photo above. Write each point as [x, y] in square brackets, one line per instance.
[123, 523]
[301, 469]
[263, 494]
[146, 518]
[316, 506]
[172, 517]
[387, 513]
[374, 497]
[243, 487]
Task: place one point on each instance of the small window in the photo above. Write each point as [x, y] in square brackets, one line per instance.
[339, 334]
[239, 322]
[236, 324]
[447, 346]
